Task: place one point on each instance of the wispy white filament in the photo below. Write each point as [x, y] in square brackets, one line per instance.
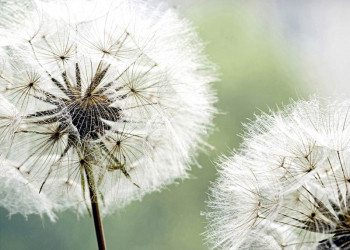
[117, 88]
[287, 187]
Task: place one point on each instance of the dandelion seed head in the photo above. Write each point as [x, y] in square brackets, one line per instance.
[118, 89]
[288, 184]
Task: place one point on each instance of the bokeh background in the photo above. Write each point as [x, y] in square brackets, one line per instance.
[267, 52]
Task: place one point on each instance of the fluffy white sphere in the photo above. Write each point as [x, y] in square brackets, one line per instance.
[117, 90]
[287, 187]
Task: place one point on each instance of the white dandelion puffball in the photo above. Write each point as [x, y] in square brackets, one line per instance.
[115, 91]
[288, 186]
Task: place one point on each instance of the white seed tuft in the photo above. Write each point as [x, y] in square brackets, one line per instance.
[116, 89]
[288, 185]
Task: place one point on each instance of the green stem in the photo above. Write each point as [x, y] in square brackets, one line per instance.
[95, 209]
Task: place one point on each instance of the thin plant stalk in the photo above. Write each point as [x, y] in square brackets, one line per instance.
[95, 210]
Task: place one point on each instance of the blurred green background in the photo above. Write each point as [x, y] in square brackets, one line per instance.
[256, 73]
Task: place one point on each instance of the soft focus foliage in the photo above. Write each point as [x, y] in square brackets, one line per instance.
[114, 90]
[288, 185]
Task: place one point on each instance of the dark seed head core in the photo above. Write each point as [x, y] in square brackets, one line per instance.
[55, 136]
[87, 114]
[87, 118]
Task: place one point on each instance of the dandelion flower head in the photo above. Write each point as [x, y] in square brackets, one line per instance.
[288, 186]
[117, 91]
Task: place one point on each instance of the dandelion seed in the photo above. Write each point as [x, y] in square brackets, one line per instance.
[19, 195]
[288, 185]
[112, 105]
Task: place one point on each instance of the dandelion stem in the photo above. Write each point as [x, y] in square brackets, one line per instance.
[95, 209]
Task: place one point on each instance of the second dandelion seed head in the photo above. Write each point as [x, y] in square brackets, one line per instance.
[287, 187]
